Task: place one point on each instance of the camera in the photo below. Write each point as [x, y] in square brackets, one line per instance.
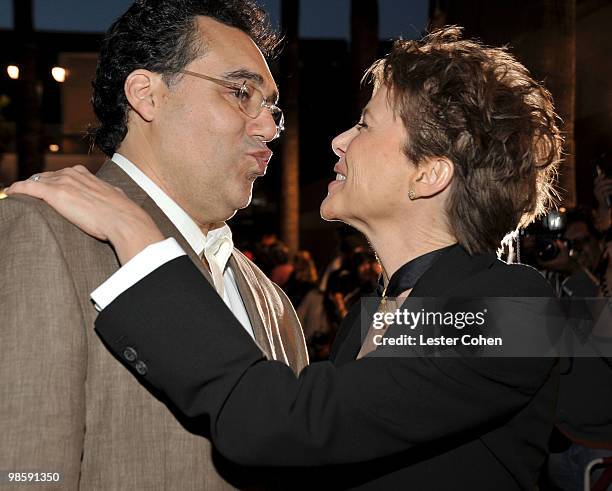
[539, 240]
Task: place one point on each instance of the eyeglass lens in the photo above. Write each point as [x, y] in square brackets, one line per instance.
[253, 103]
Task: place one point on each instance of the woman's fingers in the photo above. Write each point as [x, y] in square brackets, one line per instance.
[88, 202]
[48, 182]
[37, 189]
[75, 194]
[28, 186]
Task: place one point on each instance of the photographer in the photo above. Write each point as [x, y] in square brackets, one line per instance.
[580, 266]
[575, 262]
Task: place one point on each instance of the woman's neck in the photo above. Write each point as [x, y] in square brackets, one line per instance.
[396, 246]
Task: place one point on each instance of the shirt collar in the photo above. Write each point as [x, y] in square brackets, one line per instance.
[219, 243]
[188, 228]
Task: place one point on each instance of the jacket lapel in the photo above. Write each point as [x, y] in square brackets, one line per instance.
[113, 174]
[168, 229]
[247, 292]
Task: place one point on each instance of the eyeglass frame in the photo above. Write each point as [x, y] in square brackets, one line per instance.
[272, 108]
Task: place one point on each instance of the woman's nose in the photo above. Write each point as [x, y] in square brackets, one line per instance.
[340, 142]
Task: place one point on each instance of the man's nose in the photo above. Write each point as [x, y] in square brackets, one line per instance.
[264, 126]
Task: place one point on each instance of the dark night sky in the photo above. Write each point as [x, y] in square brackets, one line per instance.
[319, 18]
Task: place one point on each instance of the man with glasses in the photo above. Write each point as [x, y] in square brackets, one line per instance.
[186, 105]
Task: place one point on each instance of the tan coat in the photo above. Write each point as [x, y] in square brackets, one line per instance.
[66, 405]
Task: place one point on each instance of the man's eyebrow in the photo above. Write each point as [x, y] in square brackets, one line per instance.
[243, 74]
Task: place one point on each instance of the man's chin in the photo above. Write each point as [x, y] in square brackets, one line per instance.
[234, 207]
[243, 202]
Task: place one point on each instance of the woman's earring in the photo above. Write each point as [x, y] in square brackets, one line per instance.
[412, 195]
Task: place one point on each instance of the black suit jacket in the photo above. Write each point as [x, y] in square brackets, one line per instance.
[374, 423]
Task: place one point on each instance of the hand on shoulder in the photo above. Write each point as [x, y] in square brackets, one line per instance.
[96, 207]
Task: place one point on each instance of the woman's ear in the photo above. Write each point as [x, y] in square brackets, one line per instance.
[434, 175]
[143, 92]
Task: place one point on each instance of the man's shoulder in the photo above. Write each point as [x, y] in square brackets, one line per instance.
[26, 207]
[37, 218]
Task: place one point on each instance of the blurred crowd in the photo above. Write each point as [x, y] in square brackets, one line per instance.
[573, 250]
[321, 297]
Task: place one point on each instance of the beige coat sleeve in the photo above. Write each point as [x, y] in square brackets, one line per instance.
[42, 349]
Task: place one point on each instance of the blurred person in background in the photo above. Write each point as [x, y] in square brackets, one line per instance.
[357, 275]
[303, 279]
[281, 267]
[602, 189]
[579, 264]
[262, 252]
[367, 271]
[581, 269]
[303, 289]
[349, 241]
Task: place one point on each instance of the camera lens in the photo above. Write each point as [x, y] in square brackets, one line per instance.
[546, 249]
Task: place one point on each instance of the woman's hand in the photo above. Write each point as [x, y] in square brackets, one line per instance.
[99, 209]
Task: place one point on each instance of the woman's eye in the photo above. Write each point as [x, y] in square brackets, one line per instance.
[360, 125]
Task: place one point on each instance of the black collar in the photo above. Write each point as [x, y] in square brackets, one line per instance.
[407, 276]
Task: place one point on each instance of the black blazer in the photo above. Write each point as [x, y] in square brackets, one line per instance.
[375, 423]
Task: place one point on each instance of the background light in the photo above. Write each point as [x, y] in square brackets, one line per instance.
[54, 148]
[13, 71]
[59, 74]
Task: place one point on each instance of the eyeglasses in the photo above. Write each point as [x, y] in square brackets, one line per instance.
[251, 100]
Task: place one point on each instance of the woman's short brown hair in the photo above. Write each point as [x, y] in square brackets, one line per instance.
[480, 108]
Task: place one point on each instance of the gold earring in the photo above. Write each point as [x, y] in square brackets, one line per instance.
[412, 195]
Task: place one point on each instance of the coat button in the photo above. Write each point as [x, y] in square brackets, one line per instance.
[130, 354]
[141, 367]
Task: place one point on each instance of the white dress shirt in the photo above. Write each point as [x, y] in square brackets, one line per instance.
[217, 246]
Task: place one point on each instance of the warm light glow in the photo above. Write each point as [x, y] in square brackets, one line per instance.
[54, 148]
[13, 71]
[562, 210]
[59, 74]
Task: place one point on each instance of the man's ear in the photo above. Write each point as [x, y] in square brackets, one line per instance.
[143, 90]
[434, 175]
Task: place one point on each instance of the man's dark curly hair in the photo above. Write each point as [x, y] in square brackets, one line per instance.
[480, 108]
[161, 36]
